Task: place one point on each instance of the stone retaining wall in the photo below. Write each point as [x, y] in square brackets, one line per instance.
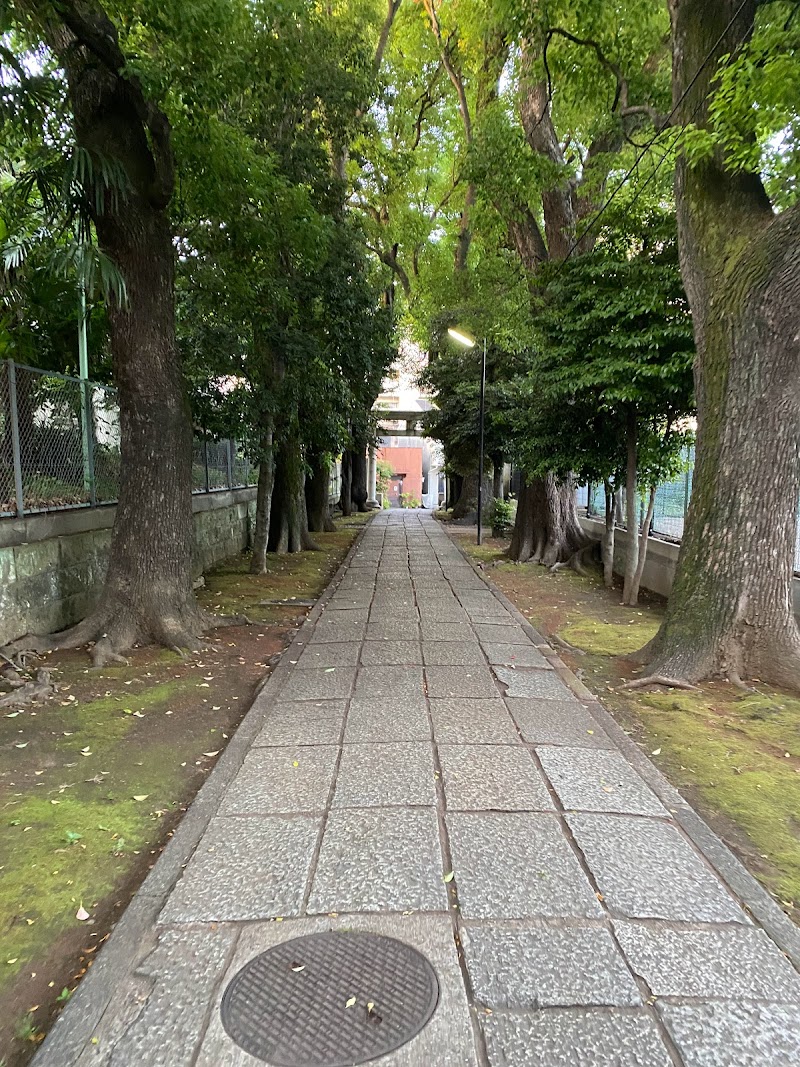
[52, 565]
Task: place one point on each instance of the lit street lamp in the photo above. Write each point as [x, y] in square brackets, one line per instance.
[469, 342]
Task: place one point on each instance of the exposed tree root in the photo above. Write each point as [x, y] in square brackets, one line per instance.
[575, 561]
[559, 642]
[39, 689]
[658, 679]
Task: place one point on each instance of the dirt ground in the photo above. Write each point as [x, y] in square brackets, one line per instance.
[734, 756]
[94, 781]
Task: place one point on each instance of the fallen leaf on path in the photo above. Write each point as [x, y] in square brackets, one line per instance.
[350, 1002]
[82, 914]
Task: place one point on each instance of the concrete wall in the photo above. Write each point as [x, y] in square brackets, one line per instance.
[661, 562]
[405, 462]
[52, 565]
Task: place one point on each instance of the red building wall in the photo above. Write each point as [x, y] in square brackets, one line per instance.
[406, 463]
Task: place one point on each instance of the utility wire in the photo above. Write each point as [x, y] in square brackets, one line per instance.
[593, 222]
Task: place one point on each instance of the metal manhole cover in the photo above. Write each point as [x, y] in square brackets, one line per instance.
[289, 1006]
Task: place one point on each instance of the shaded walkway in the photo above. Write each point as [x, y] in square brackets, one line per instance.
[416, 728]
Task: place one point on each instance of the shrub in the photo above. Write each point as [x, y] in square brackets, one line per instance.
[408, 500]
[501, 516]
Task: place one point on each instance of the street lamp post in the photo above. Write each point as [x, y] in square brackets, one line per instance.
[469, 342]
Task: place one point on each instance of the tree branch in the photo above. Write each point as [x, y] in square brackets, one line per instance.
[392, 7]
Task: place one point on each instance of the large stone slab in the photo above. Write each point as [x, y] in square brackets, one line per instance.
[557, 722]
[516, 866]
[484, 722]
[379, 860]
[528, 969]
[433, 631]
[329, 683]
[303, 723]
[382, 774]
[246, 868]
[391, 653]
[510, 654]
[726, 962]
[388, 719]
[445, 683]
[330, 654]
[275, 780]
[586, 780]
[453, 654]
[734, 1035]
[532, 683]
[492, 778]
[340, 626]
[502, 630]
[645, 868]
[374, 683]
[575, 1039]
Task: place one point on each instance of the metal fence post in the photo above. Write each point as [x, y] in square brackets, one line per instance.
[12, 403]
[205, 461]
[229, 458]
[88, 436]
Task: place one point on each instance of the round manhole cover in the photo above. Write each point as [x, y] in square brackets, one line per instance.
[330, 1000]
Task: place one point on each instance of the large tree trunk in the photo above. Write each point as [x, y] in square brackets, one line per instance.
[730, 612]
[644, 535]
[631, 509]
[497, 479]
[148, 589]
[467, 501]
[546, 529]
[358, 480]
[319, 519]
[345, 491]
[288, 521]
[266, 479]
[607, 547]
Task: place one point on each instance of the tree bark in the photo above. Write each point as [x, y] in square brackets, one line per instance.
[266, 480]
[345, 491]
[497, 479]
[608, 537]
[358, 482]
[546, 529]
[319, 520]
[644, 534]
[148, 593]
[631, 502]
[467, 501]
[287, 519]
[730, 612]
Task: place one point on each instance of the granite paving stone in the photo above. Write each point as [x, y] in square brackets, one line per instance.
[645, 868]
[391, 719]
[527, 969]
[516, 866]
[447, 682]
[557, 722]
[574, 1039]
[376, 682]
[587, 780]
[383, 774]
[511, 655]
[484, 722]
[391, 653]
[734, 1035]
[453, 654]
[492, 777]
[524, 682]
[446, 631]
[726, 962]
[333, 654]
[340, 626]
[308, 723]
[246, 868]
[275, 780]
[379, 860]
[505, 632]
[321, 684]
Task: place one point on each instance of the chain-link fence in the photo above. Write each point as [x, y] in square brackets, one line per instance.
[60, 445]
[671, 505]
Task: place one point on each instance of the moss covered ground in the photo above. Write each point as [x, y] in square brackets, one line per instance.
[93, 782]
[734, 755]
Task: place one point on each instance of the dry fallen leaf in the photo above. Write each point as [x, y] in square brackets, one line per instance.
[450, 876]
[142, 796]
[82, 914]
[350, 1002]
[656, 752]
[210, 754]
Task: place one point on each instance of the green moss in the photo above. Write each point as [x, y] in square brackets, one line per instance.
[610, 638]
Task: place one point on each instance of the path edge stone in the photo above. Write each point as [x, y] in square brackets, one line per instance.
[132, 937]
[744, 886]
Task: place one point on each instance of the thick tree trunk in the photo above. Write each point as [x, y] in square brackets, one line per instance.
[631, 507]
[607, 547]
[730, 612]
[288, 522]
[644, 534]
[345, 492]
[266, 479]
[467, 501]
[497, 480]
[546, 529]
[148, 589]
[358, 483]
[319, 519]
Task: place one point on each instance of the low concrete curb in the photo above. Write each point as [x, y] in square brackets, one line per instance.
[753, 897]
[133, 937]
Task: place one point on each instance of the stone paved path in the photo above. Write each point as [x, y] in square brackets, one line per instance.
[593, 933]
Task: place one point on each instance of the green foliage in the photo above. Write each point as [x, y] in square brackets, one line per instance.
[408, 500]
[384, 473]
[501, 516]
